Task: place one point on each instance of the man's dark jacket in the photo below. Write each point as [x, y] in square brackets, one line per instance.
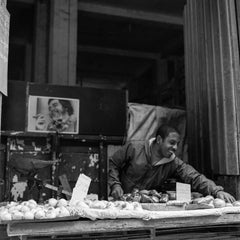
[131, 168]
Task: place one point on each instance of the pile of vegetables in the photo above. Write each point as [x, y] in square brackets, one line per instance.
[146, 196]
[211, 202]
[197, 202]
[129, 206]
[53, 208]
[31, 210]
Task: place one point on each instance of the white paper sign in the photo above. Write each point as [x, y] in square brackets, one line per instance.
[183, 192]
[81, 188]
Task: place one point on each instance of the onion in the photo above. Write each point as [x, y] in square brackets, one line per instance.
[18, 207]
[63, 212]
[17, 215]
[25, 209]
[32, 201]
[6, 216]
[52, 202]
[40, 214]
[62, 202]
[28, 215]
[51, 214]
[32, 205]
[11, 204]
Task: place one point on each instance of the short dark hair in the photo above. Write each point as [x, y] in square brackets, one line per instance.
[65, 103]
[165, 129]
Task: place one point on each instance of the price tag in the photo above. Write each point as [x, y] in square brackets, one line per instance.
[81, 188]
[183, 192]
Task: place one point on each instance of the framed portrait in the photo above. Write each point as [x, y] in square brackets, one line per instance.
[53, 114]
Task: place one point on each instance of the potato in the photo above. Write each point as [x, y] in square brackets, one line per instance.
[155, 199]
[219, 203]
[145, 192]
[146, 199]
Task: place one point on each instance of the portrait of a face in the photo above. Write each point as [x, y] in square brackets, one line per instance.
[53, 114]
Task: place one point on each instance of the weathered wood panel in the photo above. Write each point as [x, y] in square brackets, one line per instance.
[63, 42]
[206, 227]
[19, 170]
[99, 114]
[212, 85]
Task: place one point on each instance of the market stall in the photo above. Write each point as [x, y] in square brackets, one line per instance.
[215, 223]
[53, 133]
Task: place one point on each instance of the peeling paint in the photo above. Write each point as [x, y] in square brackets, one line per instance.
[53, 168]
[20, 148]
[20, 142]
[18, 188]
[38, 149]
[73, 168]
[13, 145]
[93, 160]
[48, 145]
[15, 179]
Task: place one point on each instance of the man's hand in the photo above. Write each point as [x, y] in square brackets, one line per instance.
[117, 191]
[225, 196]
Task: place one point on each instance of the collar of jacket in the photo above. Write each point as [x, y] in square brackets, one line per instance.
[162, 160]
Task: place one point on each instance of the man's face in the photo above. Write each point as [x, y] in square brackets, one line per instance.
[169, 145]
[56, 109]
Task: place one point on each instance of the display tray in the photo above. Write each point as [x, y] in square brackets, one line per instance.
[161, 207]
[42, 220]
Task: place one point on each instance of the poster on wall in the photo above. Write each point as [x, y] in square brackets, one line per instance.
[53, 114]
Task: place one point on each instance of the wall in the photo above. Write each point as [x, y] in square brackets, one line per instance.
[212, 87]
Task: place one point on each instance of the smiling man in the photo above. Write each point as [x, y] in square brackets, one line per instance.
[62, 116]
[147, 164]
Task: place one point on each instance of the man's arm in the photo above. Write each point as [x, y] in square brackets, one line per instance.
[199, 182]
[116, 164]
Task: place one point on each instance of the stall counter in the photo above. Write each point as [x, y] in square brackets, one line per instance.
[225, 226]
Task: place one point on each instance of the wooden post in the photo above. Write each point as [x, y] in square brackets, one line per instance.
[212, 88]
[63, 42]
[41, 33]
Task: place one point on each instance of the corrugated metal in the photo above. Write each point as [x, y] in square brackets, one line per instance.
[212, 85]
